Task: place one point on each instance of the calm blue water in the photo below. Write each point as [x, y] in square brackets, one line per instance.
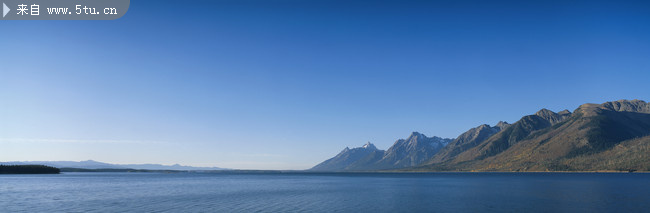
[431, 192]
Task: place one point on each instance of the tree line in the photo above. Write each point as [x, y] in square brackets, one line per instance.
[28, 169]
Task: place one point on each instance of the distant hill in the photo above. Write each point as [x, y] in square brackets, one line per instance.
[90, 164]
[613, 136]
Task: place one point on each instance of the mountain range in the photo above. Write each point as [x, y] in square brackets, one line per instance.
[409, 152]
[594, 137]
[90, 164]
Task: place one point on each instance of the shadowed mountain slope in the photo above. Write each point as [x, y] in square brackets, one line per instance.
[563, 141]
[609, 136]
[468, 140]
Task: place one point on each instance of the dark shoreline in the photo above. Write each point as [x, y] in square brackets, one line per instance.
[28, 169]
[323, 172]
[42, 169]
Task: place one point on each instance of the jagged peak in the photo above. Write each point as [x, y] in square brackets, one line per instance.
[623, 105]
[564, 112]
[416, 134]
[628, 106]
[544, 112]
[588, 105]
[622, 101]
[369, 146]
[483, 126]
[551, 116]
[630, 101]
[502, 125]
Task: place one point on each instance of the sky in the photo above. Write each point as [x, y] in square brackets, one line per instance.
[281, 84]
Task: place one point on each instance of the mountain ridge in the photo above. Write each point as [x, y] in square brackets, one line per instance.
[411, 151]
[543, 141]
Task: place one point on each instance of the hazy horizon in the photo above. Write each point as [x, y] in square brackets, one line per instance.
[288, 84]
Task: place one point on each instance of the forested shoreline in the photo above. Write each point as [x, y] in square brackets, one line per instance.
[28, 169]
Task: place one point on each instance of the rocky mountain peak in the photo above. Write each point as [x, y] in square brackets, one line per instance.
[483, 126]
[551, 116]
[589, 109]
[369, 146]
[502, 125]
[544, 113]
[416, 135]
[635, 105]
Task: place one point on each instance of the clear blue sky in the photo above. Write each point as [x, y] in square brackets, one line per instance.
[286, 84]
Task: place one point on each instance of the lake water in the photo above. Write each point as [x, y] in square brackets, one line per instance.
[427, 192]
